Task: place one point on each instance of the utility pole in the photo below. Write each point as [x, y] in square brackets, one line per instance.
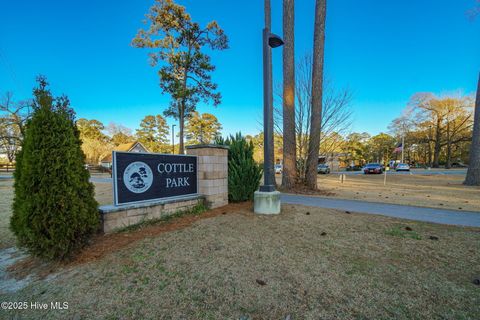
[403, 146]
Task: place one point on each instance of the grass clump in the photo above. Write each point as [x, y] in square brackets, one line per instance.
[399, 231]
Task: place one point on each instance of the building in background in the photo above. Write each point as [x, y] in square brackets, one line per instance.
[135, 146]
[335, 160]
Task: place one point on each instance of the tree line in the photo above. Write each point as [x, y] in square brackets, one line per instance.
[153, 132]
[99, 140]
[436, 130]
[13, 118]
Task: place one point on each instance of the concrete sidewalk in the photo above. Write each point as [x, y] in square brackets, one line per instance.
[442, 216]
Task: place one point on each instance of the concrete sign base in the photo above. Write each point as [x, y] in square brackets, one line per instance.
[266, 202]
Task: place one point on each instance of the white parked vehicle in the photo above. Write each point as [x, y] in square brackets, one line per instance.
[278, 168]
[402, 167]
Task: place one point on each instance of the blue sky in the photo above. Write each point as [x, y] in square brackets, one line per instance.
[384, 51]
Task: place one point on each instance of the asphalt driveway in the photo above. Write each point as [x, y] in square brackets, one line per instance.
[442, 216]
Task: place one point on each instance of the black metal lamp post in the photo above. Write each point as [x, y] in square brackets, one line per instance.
[270, 40]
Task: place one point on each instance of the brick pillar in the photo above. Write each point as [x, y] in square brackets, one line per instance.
[212, 173]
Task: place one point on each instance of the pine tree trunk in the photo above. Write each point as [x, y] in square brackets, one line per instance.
[448, 165]
[473, 173]
[181, 113]
[181, 125]
[289, 143]
[429, 154]
[317, 90]
[449, 146]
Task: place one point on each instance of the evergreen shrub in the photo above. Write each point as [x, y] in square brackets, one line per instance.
[244, 173]
[54, 209]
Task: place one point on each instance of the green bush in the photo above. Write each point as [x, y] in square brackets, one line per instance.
[243, 173]
[54, 210]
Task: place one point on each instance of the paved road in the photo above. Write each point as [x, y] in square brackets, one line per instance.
[101, 180]
[442, 216]
[414, 171]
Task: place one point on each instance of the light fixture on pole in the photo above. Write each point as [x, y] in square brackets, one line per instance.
[270, 40]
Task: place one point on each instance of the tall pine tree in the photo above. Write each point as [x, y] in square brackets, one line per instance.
[179, 45]
[317, 93]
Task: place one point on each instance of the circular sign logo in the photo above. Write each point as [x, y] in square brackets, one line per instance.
[137, 177]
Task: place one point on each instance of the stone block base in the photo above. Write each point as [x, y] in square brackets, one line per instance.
[266, 202]
[118, 217]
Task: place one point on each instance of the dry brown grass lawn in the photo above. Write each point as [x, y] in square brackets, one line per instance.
[316, 263]
[103, 194]
[6, 197]
[437, 191]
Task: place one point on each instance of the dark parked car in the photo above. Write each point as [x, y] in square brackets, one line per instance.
[459, 165]
[373, 168]
[323, 168]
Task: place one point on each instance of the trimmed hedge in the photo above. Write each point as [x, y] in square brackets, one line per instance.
[54, 209]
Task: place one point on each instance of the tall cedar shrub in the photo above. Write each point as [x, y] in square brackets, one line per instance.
[244, 173]
[54, 209]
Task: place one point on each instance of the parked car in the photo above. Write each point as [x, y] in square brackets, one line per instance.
[402, 167]
[459, 165]
[278, 168]
[323, 168]
[373, 168]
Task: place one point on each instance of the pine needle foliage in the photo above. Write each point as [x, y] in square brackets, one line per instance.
[54, 209]
[244, 173]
